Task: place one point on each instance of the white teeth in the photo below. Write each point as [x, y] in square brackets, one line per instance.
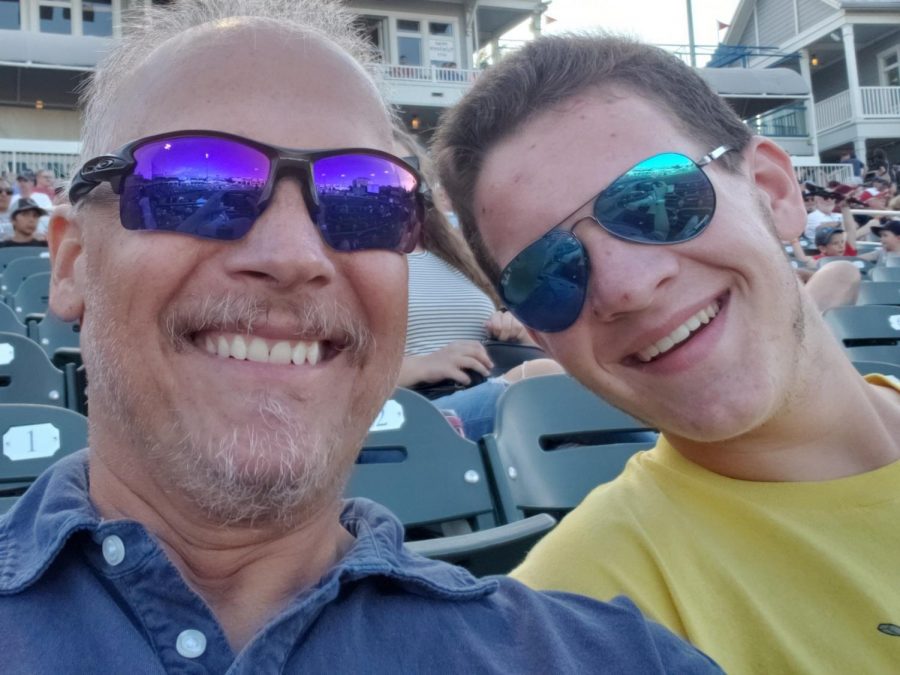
[262, 350]
[680, 334]
[258, 351]
[280, 353]
[312, 354]
[238, 348]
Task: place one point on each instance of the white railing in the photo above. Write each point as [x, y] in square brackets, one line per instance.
[14, 162]
[822, 174]
[833, 111]
[880, 101]
[429, 74]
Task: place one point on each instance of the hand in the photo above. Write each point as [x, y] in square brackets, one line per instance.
[452, 361]
[505, 327]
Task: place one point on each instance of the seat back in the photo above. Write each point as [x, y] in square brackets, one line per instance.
[418, 466]
[554, 441]
[866, 325]
[892, 261]
[863, 265]
[52, 333]
[880, 367]
[35, 436]
[879, 293]
[10, 253]
[20, 269]
[885, 274]
[33, 295]
[9, 322]
[27, 375]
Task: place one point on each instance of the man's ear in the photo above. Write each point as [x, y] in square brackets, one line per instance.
[66, 282]
[770, 168]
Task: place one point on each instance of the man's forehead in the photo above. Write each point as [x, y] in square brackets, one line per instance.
[254, 78]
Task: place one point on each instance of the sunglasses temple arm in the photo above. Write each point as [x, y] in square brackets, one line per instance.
[107, 168]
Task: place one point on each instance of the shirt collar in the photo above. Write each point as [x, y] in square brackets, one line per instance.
[57, 506]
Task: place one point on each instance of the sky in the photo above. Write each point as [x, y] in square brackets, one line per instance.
[654, 21]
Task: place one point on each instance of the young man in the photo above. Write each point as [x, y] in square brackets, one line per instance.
[24, 218]
[762, 526]
[240, 333]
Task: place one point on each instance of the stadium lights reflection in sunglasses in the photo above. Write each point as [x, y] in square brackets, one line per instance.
[215, 185]
[664, 199]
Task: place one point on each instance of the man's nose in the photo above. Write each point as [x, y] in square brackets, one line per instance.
[283, 247]
[625, 276]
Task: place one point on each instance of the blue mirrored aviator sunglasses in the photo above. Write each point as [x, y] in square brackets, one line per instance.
[665, 199]
[215, 185]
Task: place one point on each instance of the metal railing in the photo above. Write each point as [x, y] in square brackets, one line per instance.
[822, 174]
[785, 121]
[833, 111]
[13, 163]
[429, 74]
[880, 101]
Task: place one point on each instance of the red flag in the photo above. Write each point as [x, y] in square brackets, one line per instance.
[722, 26]
[549, 19]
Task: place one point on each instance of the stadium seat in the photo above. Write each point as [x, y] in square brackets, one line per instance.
[879, 293]
[9, 322]
[436, 482]
[33, 295]
[868, 367]
[554, 441]
[27, 375]
[35, 436]
[8, 254]
[52, 333]
[863, 265]
[868, 332]
[893, 261]
[20, 269]
[885, 274]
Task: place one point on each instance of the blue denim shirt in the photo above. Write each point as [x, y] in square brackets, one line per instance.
[83, 595]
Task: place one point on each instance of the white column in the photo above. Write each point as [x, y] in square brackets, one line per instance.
[859, 147]
[852, 72]
[811, 126]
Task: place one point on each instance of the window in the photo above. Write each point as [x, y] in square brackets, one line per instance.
[55, 17]
[10, 15]
[96, 18]
[409, 51]
[889, 67]
[408, 26]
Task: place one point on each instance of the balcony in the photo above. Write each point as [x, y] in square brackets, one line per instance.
[878, 103]
[424, 85]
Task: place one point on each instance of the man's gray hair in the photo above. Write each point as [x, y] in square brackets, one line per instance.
[146, 28]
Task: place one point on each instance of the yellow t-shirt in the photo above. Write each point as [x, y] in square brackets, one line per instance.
[763, 577]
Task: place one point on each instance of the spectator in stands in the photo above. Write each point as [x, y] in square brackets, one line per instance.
[889, 235]
[823, 214]
[831, 242]
[6, 198]
[234, 372]
[24, 218]
[848, 157]
[45, 183]
[26, 182]
[452, 311]
[762, 526]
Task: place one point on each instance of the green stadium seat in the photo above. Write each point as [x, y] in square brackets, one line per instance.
[35, 436]
[436, 482]
[32, 296]
[20, 269]
[554, 442]
[879, 293]
[885, 274]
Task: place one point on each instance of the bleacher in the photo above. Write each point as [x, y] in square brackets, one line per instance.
[481, 504]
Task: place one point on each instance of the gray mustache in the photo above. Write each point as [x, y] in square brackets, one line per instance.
[240, 314]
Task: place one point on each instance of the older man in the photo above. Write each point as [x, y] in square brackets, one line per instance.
[762, 526]
[243, 305]
[6, 194]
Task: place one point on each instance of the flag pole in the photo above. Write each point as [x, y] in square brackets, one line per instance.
[691, 45]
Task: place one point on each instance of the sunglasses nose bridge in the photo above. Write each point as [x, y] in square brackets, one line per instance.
[292, 167]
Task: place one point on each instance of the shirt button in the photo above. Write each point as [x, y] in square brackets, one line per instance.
[190, 643]
[113, 550]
